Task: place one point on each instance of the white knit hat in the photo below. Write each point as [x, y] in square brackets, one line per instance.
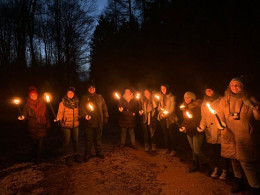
[190, 94]
[238, 80]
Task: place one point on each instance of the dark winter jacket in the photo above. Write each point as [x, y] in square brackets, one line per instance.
[36, 129]
[191, 124]
[126, 118]
[99, 115]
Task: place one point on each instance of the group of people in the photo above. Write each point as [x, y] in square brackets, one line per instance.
[228, 130]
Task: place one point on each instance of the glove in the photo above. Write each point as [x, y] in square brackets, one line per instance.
[141, 112]
[182, 129]
[88, 117]
[56, 120]
[120, 109]
[20, 118]
[105, 120]
[199, 129]
[133, 114]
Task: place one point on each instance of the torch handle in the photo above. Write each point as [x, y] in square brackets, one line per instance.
[53, 111]
[219, 121]
[19, 110]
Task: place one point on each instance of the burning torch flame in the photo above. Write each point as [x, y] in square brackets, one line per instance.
[117, 96]
[188, 114]
[47, 97]
[182, 106]
[157, 97]
[210, 109]
[138, 96]
[17, 101]
[91, 107]
[164, 111]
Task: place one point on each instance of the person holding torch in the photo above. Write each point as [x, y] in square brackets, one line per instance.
[68, 117]
[94, 112]
[191, 120]
[209, 125]
[168, 120]
[238, 142]
[36, 115]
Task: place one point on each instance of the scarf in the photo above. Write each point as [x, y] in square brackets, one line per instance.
[70, 102]
[39, 108]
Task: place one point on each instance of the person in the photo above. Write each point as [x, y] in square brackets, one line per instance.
[208, 124]
[237, 111]
[94, 110]
[168, 120]
[68, 117]
[36, 115]
[128, 107]
[148, 113]
[191, 120]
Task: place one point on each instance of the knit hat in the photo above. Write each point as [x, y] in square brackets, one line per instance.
[91, 84]
[33, 90]
[238, 80]
[71, 89]
[210, 85]
[190, 94]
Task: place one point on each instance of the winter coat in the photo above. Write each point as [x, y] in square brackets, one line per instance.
[170, 107]
[69, 117]
[149, 112]
[191, 124]
[238, 138]
[100, 113]
[36, 129]
[126, 117]
[209, 123]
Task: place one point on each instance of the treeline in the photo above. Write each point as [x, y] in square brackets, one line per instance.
[185, 43]
[45, 41]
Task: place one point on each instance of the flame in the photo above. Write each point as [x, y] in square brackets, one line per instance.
[164, 111]
[188, 114]
[91, 107]
[17, 101]
[157, 97]
[210, 109]
[182, 106]
[138, 96]
[117, 96]
[47, 97]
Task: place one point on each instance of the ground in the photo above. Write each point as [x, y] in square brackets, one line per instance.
[124, 171]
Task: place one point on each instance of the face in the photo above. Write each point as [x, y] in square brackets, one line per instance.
[128, 92]
[235, 87]
[70, 94]
[147, 94]
[34, 96]
[91, 90]
[209, 92]
[187, 100]
[163, 89]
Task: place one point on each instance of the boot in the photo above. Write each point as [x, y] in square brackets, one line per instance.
[68, 161]
[237, 185]
[223, 175]
[206, 169]
[153, 147]
[146, 148]
[214, 174]
[77, 158]
[194, 167]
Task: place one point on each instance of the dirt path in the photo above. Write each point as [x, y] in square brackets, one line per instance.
[121, 172]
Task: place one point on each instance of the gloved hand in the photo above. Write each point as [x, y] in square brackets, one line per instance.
[105, 121]
[182, 129]
[56, 120]
[120, 109]
[141, 112]
[20, 118]
[88, 117]
[199, 129]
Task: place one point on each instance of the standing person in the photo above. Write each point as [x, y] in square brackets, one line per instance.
[191, 120]
[237, 110]
[94, 110]
[128, 107]
[68, 116]
[168, 119]
[37, 117]
[148, 111]
[208, 124]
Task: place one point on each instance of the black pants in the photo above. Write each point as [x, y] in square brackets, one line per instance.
[37, 148]
[93, 135]
[215, 158]
[169, 135]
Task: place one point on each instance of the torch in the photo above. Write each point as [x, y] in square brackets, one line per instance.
[182, 106]
[138, 95]
[117, 96]
[47, 97]
[17, 102]
[91, 107]
[216, 114]
[188, 114]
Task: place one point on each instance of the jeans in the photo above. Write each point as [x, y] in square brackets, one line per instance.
[147, 135]
[131, 134]
[69, 134]
[249, 170]
[195, 144]
[169, 135]
[93, 135]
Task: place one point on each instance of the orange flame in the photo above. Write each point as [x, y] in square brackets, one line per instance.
[182, 106]
[157, 97]
[17, 101]
[164, 111]
[91, 107]
[138, 96]
[210, 109]
[47, 97]
[188, 114]
[117, 96]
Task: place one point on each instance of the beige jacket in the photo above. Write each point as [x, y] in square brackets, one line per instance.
[69, 117]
